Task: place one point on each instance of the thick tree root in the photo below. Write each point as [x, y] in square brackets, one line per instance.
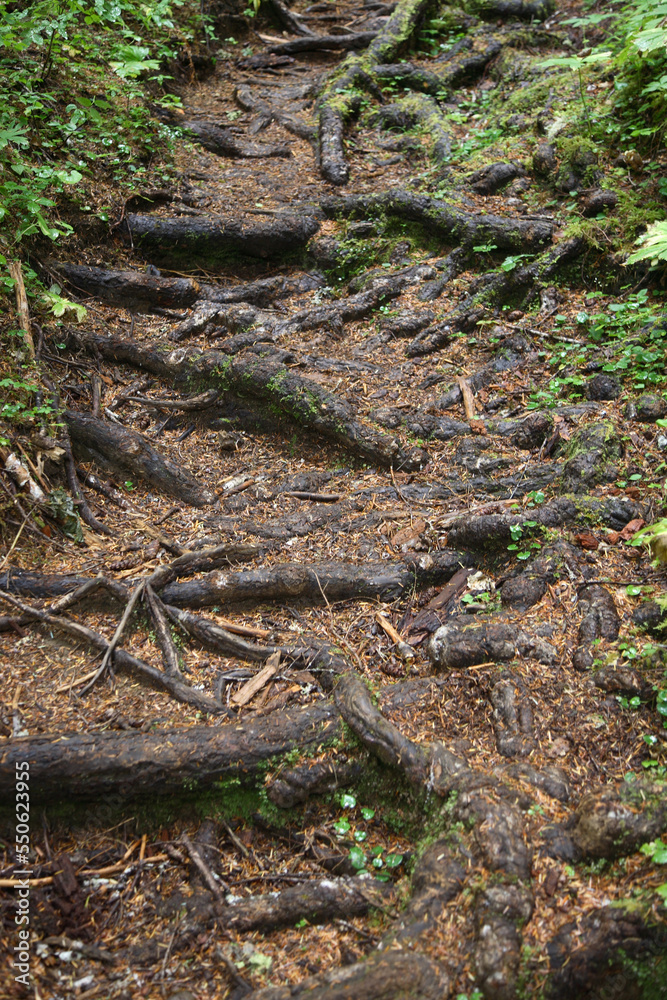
[490, 531]
[275, 386]
[524, 10]
[132, 763]
[396, 975]
[217, 238]
[326, 581]
[496, 289]
[130, 289]
[316, 901]
[454, 225]
[123, 451]
[318, 43]
[222, 142]
[602, 951]
[288, 19]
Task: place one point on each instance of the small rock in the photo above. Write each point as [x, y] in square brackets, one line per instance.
[651, 408]
[602, 387]
[544, 159]
[597, 201]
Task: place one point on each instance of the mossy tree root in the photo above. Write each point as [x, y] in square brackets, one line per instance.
[496, 288]
[341, 97]
[270, 384]
[444, 219]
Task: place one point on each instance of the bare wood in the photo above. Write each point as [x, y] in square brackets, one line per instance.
[22, 309]
[256, 683]
[468, 398]
[404, 648]
[96, 395]
[21, 476]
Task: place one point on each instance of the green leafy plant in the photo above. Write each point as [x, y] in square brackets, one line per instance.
[656, 850]
[579, 63]
[652, 245]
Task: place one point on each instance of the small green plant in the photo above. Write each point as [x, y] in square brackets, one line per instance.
[656, 850]
[579, 63]
[652, 245]
[517, 532]
[363, 860]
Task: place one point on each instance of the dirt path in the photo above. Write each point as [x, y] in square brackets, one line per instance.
[379, 614]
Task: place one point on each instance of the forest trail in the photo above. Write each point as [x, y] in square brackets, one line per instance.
[357, 598]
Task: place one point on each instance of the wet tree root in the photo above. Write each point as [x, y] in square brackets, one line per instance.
[273, 385]
[247, 99]
[174, 238]
[317, 582]
[420, 109]
[126, 452]
[445, 220]
[173, 761]
[132, 290]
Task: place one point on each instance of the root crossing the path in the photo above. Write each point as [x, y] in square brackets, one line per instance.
[332, 649]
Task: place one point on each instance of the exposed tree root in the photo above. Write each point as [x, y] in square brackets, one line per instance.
[317, 582]
[273, 385]
[133, 763]
[222, 142]
[130, 289]
[525, 10]
[496, 288]
[120, 450]
[174, 239]
[451, 223]
[316, 43]
[316, 902]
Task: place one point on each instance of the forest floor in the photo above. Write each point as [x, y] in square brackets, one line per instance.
[388, 445]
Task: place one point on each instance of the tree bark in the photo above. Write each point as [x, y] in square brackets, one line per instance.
[170, 761]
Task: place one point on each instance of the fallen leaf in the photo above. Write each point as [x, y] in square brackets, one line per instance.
[587, 541]
[631, 528]
[409, 534]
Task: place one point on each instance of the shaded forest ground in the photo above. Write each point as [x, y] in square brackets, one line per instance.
[352, 438]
